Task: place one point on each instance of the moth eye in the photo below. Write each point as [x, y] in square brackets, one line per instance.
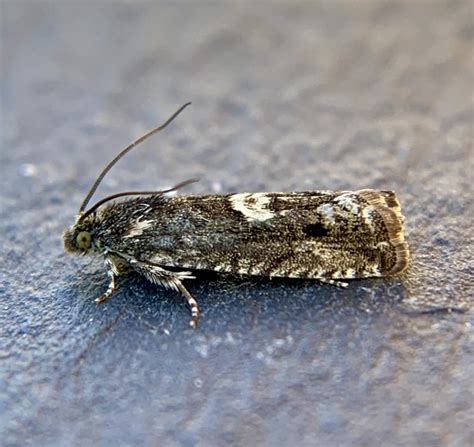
[83, 240]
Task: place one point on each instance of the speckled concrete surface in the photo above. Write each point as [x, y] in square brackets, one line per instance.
[286, 96]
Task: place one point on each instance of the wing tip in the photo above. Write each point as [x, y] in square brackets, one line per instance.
[388, 207]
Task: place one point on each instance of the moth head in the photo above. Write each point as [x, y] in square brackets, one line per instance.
[79, 239]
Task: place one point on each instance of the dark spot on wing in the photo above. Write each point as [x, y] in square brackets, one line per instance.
[315, 230]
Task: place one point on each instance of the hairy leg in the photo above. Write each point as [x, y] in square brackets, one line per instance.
[171, 280]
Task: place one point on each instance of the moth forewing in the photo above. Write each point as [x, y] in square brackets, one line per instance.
[323, 235]
[314, 235]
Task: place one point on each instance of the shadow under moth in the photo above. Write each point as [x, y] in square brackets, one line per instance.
[324, 235]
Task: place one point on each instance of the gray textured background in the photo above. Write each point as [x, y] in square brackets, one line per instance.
[286, 96]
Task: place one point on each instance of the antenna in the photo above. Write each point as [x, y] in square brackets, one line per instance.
[122, 153]
[134, 193]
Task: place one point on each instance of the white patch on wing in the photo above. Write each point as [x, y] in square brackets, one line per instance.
[326, 210]
[138, 228]
[348, 202]
[289, 197]
[256, 269]
[383, 246]
[368, 219]
[373, 270]
[254, 206]
[349, 273]
[319, 273]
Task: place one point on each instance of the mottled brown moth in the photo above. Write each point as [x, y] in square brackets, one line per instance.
[322, 235]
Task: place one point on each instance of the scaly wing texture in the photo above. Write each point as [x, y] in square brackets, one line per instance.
[316, 234]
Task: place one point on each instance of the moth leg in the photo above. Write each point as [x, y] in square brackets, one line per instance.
[110, 290]
[192, 303]
[114, 269]
[171, 280]
[333, 282]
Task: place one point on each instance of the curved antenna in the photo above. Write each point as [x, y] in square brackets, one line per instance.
[123, 152]
[134, 193]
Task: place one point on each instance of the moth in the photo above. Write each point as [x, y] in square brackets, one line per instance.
[323, 235]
